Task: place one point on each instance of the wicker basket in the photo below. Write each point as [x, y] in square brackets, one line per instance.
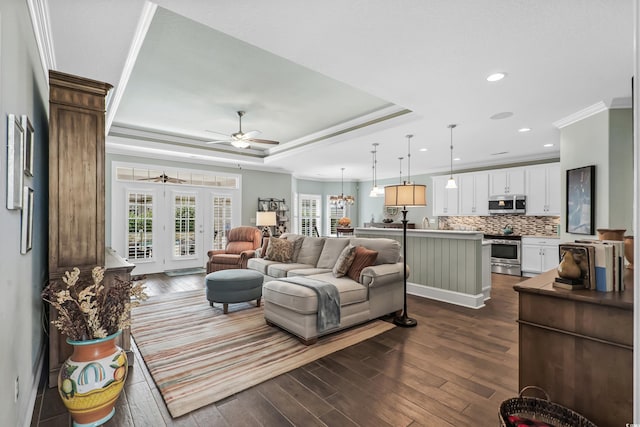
[542, 410]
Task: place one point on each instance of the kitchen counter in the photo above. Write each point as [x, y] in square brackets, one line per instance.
[446, 265]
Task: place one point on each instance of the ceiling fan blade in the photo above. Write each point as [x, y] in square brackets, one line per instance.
[263, 141]
[218, 135]
[250, 134]
[218, 141]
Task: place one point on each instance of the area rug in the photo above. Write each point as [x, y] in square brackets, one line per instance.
[197, 355]
[185, 271]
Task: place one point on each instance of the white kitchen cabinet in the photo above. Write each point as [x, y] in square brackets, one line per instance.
[474, 193]
[543, 189]
[445, 201]
[507, 181]
[539, 255]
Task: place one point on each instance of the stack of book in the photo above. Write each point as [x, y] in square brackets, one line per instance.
[601, 263]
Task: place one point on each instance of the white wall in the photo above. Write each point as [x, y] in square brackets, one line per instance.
[23, 91]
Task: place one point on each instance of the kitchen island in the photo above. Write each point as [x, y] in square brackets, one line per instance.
[445, 265]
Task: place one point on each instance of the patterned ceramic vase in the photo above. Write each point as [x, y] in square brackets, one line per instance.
[91, 380]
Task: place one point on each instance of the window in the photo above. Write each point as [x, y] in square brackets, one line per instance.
[221, 220]
[140, 225]
[335, 213]
[183, 177]
[309, 214]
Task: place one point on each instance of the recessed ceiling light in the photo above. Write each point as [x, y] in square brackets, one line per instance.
[423, 149]
[456, 158]
[503, 115]
[524, 130]
[495, 77]
[548, 145]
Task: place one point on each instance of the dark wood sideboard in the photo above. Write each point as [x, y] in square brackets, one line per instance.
[578, 346]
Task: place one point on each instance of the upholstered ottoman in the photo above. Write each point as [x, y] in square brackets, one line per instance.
[233, 286]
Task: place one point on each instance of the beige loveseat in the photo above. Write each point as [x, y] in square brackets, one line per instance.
[378, 292]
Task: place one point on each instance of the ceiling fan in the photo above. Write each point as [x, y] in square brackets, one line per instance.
[164, 178]
[243, 139]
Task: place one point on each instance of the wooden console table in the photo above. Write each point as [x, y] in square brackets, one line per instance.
[578, 346]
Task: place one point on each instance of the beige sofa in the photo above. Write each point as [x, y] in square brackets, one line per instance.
[378, 292]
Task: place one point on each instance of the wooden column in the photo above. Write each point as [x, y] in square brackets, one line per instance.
[76, 186]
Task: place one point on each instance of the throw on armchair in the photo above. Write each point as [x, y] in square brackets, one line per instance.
[241, 245]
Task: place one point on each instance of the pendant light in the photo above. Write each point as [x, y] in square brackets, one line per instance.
[451, 183]
[341, 201]
[375, 190]
[409, 158]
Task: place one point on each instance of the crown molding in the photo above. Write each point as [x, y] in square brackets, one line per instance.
[146, 16]
[596, 108]
[39, 13]
[621, 103]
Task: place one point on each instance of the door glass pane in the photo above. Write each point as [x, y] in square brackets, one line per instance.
[221, 220]
[140, 226]
[185, 225]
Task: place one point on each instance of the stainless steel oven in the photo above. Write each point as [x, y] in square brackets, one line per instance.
[506, 256]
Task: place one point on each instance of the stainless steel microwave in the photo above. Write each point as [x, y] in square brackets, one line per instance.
[508, 204]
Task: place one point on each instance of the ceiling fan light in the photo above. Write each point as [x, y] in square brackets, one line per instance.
[240, 144]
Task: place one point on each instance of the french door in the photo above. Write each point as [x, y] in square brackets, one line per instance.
[171, 227]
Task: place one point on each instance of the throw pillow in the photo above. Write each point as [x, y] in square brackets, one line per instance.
[297, 244]
[265, 245]
[344, 261]
[363, 258]
[279, 250]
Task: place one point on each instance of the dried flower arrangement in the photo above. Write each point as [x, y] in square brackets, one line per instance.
[344, 221]
[86, 310]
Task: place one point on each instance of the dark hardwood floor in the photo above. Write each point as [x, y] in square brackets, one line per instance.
[453, 369]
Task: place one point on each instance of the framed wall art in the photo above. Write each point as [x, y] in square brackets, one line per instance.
[27, 157]
[26, 235]
[581, 184]
[14, 162]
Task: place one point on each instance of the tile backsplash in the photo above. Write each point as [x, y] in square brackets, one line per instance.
[523, 225]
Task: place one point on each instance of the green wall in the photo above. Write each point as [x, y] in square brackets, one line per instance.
[604, 140]
[24, 91]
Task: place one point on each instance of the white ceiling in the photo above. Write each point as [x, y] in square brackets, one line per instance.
[330, 78]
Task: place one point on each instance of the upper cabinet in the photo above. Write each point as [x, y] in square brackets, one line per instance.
[543, 189]
[445, 201]
[474, 193]
[507, 181]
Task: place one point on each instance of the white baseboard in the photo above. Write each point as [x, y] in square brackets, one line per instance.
[34, 388]
[486, 292]
[445, 295]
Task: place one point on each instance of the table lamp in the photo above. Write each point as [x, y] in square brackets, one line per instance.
[266, 220]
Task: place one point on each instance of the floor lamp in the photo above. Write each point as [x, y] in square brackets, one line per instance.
[405, 195]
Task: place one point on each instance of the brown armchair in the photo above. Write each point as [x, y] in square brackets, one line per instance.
[241, 245]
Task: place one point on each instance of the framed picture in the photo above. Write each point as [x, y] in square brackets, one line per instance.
[581, 200]
[26, 237]
[14, 162]
[27, 157]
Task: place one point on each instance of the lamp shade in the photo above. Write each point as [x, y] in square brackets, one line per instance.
[405, 195]
[265, 219]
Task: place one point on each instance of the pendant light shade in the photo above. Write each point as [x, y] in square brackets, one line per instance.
[451, 183]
